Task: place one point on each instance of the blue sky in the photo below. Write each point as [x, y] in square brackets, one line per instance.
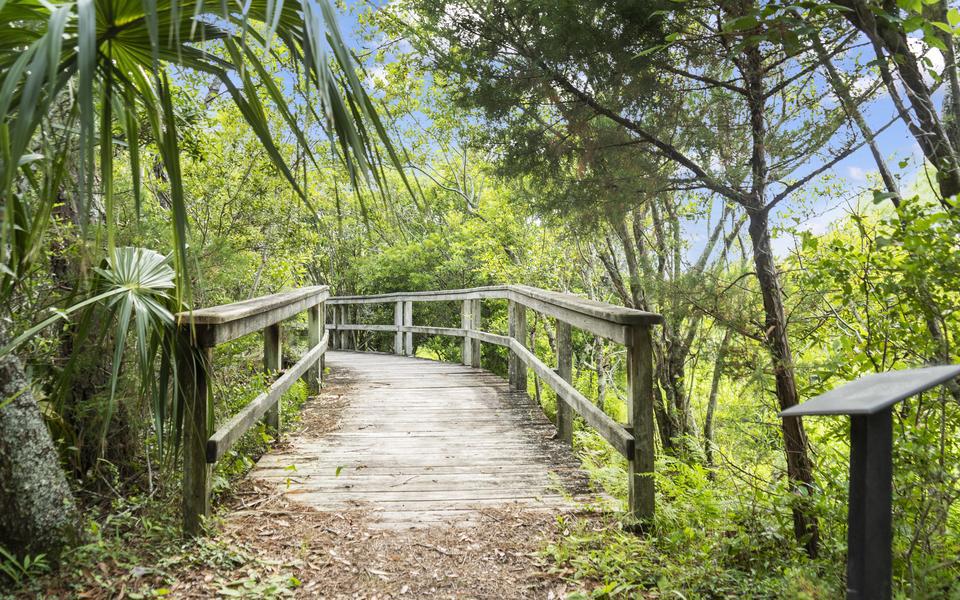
[855, 173]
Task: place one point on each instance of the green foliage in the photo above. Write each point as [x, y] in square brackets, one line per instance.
[18, 571]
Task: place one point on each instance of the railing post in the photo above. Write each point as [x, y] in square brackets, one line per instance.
[517, 315]
[194, 387]
[640, 397]
[565, 371]
[398, 323]
[470, 320]
[335, 321]
[346, 338]
[272, 352]
[315, 327]
[408, 322]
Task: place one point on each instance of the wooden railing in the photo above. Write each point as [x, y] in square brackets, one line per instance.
[201, 331]
[622, 325]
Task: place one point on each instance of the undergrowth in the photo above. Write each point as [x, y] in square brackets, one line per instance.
[704, 544]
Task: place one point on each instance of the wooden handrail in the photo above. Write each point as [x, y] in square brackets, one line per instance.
[218, 324]
[623, 325]
[200, 331]
[600, 318]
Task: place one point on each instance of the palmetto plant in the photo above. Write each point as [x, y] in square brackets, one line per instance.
[103, 66]
[85, 81]
[78, 78]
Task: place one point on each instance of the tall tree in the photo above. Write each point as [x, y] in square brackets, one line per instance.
[644, 68]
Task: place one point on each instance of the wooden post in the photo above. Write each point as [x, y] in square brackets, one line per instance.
[408, 322]
[272, 351]
[323, 329]
[335, 321]
[194, 386]
[564, 370]
[517, 315]
[640, 399]
[470, 320]
[315, 321]
[398, 323]
[346, 337]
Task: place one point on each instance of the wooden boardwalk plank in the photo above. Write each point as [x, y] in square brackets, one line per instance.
[422, 442]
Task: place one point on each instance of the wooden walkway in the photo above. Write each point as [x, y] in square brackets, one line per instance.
[422, 442]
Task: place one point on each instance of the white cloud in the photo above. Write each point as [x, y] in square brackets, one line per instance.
[857, 174]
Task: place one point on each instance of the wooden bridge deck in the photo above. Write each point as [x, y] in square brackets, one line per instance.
[422, 442]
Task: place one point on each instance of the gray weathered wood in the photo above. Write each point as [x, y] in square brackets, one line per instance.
[347, 338]
[565, 371]
[333, 326]
[272, 359]
[585, 306]
[592, 308]
[616, 332]
[490, 338]
[470, 319]
[451, 331]
[408, 322]
[351, 327]
[640, 409]
[605, 425]
[194, 386]
[219, 324]
[229, 432]
[495, 291]
[398, 323]
[517, 324]
[315, 332]
[427, 469]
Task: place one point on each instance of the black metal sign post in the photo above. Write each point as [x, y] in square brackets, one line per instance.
[869, 528]
[869, 402]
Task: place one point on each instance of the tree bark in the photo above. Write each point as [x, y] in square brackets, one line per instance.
[712, 401]
[39, 513]
[799, 465]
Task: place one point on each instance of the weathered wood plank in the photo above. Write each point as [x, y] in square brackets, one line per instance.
[398, 323]
[229, 432]
[194, 387]
[404, 450]
[218, 324]
[470, 317]
[408, 322]
[606, 426]
[565, 371]
[272, 354]
[640, 402]
[517, 324]
[315, 332]
[559, 300]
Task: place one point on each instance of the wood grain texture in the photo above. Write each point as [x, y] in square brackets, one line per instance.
[423, 442]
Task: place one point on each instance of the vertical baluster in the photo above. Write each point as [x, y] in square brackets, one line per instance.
[272, 352]
[193, 371]
[564, 370]
[398, 323]
[315, 326]
[640, 398]
[517, 324]
[335, 321]
[408, 322]
[470, 321]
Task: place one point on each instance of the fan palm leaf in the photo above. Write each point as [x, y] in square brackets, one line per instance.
[113, 57]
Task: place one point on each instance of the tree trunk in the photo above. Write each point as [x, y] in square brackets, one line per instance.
[39, 513]
[712, 402]
[799, 466]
